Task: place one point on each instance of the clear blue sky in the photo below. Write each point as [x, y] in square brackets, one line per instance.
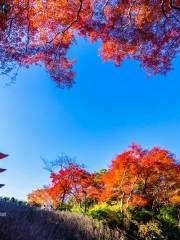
[107, 109]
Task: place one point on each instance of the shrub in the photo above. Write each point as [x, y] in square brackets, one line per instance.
[106, 214]
[77, 209]
[168, 217]
[149, 225]
[150, 230]
[140, 214]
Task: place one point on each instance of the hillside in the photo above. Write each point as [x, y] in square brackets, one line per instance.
[26, 223]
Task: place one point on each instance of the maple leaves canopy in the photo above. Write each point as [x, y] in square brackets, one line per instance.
[135, 177]
[71, 181]
[141, 177]
[33, 31]
[41, 197]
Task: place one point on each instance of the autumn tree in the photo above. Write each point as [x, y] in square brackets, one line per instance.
[142, 177]
[135, 177]
[68, 179]
[122, 177]
[33, 32]
[71, 181]
[41, 197]
[96, 186]
[160, 177]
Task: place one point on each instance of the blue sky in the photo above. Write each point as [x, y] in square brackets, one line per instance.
[106, 110]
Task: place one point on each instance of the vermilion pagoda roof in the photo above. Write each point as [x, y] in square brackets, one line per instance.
[2, 155]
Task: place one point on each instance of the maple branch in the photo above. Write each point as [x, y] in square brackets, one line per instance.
[130, 194]
[105, 4]
[71, 24]
[122, 180]
[129, 14]
[163, 9]
[28, 29]
[121, 202]
[11, 19]
[21, 11]
[173, 6]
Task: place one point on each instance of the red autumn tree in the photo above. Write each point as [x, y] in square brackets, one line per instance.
[71, 181]
[95, 186]
[138, 177]
[33, 31]
[160, 177]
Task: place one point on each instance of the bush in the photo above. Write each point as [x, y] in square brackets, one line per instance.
[77, 209]
[106, 214]
[150, 230]
[149, 225]
[141, 214]
[168, 217]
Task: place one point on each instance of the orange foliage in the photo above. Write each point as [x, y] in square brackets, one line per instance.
[138, 177]
[41, 197]
[138, 200]
[33, 31]
[135, 177]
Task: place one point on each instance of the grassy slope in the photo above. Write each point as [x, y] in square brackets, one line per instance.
[30, 223]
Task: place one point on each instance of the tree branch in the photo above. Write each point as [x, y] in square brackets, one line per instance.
[163, 9]
[173, 6]
[28, 28]
[129, 14]
[71, 24]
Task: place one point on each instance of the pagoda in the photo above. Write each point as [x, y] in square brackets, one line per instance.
[2, 169]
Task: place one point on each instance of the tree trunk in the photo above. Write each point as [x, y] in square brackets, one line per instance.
[121, 202]
[62, 201]
[127, 201]
[85, 203]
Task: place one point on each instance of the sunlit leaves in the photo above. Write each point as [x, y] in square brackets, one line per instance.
[135, 177]
[35, 31]
[138, 177]
[42, 198]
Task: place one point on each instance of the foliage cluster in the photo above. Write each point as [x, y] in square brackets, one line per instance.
[140, 222]
[135, 177]
[138, 193]
[33, 32]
